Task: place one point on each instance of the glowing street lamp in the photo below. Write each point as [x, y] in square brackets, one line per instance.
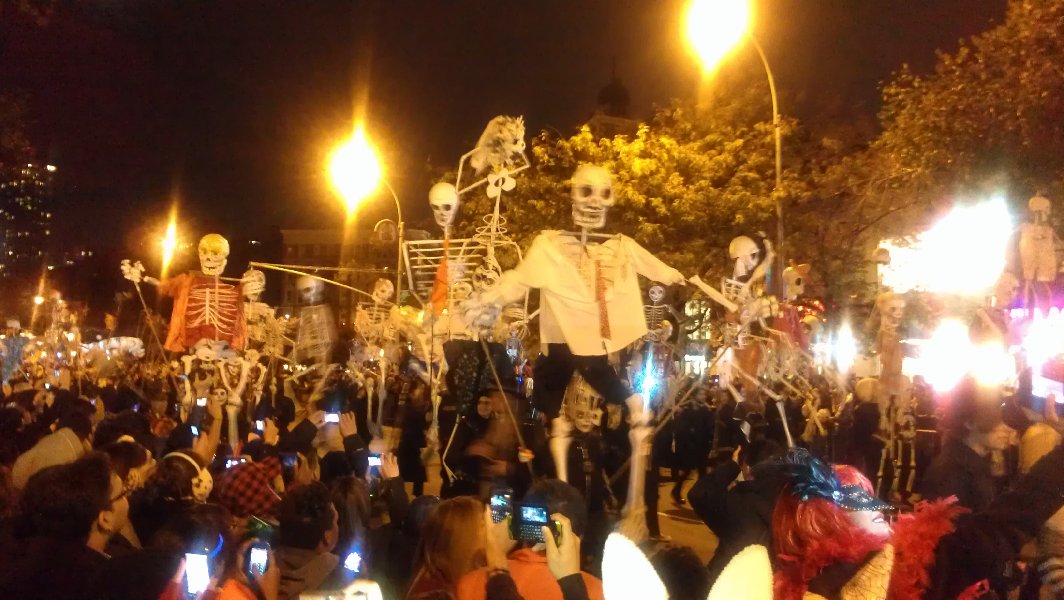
[714, 28]
[169, 243]
[355, 170]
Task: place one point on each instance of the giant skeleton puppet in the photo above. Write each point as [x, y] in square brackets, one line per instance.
[265, 332]
[205, 308]
[590, 305]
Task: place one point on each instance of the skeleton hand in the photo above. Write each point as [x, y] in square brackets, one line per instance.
[764, 307]
[133, 271]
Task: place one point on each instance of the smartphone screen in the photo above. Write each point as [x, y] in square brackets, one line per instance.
[258, 559]
[528, 521]
[195, 430]
[353, 562]
[260, 425]
[500, 506]
[374, 460]
[332, 417]
[197, 576]
[534, 514]
[201, 401]
[232, 462]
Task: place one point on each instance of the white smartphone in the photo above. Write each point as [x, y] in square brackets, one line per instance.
[332, 417]
[197, 576]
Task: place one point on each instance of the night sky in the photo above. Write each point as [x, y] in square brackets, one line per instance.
[230, 106]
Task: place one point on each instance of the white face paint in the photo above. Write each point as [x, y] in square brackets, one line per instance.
[443, 199]
[656, 293]
[310, 290]
[213, 252]
[746, 254]
[592, 195]
[383, 291]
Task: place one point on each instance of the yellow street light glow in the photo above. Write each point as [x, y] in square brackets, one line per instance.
[355, 170]
[170, 241]
[38, 300]
[714, 27]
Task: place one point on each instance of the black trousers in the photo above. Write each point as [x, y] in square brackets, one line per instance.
[554, 370]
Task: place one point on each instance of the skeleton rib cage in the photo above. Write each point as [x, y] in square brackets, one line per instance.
[423, 257]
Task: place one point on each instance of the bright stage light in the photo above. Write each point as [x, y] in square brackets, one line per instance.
[964, 253]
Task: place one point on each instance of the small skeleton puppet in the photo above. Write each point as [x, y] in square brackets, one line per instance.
[264, 331]
[789, 321]
[1038, 257]
[205, 308]
[891, 309]
[589, 294]
[317, 328]
[370, 318]
[655, 312]
[991, 322]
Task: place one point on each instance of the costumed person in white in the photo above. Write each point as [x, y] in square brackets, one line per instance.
[590, 305]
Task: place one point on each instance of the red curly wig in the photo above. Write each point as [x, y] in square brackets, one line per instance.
[813, 534]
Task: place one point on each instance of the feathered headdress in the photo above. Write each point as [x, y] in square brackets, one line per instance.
[812, 478]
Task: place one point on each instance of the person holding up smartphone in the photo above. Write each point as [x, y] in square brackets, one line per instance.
[257, 574]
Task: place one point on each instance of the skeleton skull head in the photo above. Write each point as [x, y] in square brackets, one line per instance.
[794, 279]
[213, 252]
[891, 309]
[484, 277]
[1040, 207]
[582, 405]
[746, 254]
[592, 195]
[656, 294]
[444, 201]
[310, 290]
[253, 283]
[383, 291]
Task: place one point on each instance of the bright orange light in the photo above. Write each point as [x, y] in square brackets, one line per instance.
[38, 300]
[355, 170]
[169, 242]
[714, 27]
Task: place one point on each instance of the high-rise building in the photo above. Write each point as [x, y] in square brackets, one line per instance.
[25, 217]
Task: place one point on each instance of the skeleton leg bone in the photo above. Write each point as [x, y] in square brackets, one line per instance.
[560, 439]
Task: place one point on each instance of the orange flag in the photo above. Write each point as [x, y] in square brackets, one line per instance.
[439, 284]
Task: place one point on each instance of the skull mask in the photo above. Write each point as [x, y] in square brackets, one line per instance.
[310, 290]
[1040, 208]
[794, 279]
[657, 294]
[253, 283]
[383, 291]
[444, 201]
[746, 254]
[582, 404]
[592, 195]
[213, 252]
[891, 309]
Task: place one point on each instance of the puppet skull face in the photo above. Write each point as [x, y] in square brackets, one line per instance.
[656, 294]
[746, 254]
[794, 281]
[891, 308]
[213, 252]
[582, 404]
[383, 291]
[592, 195]
[484, 277]
[253, 284]
[1040, 208]
[310, 290]
[443, 199]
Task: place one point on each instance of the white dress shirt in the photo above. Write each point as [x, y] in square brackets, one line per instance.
[565, 276]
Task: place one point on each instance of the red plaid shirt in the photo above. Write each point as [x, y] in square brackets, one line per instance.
[245, 489]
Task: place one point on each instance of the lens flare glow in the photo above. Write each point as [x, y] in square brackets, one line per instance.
[949, 355]
[355, 170]
[169, 242]
[844, 349]
[714, 27]
[1044, 339]
[964, 253]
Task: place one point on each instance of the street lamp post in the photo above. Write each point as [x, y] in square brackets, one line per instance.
[714, 28]
[356, 173]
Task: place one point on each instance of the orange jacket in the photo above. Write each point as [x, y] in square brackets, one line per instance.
[531, 576]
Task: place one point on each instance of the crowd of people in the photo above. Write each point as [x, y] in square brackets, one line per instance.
[143, 484]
